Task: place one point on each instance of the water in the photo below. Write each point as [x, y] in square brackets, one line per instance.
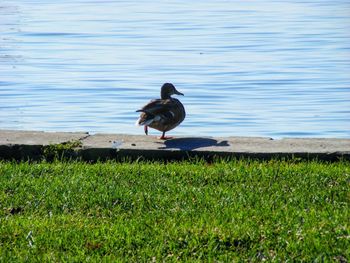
[250, 68]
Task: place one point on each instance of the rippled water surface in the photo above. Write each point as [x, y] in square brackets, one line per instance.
[250, 68]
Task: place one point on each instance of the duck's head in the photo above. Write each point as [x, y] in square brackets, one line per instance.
[167, 90]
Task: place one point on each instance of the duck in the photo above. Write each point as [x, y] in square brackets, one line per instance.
[162, 114]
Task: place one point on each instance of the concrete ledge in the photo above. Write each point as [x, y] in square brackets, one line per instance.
[27, 145]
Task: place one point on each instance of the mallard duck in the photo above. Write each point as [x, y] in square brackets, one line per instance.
[162, 114]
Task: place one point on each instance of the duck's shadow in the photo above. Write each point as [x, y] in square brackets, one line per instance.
[192, 143]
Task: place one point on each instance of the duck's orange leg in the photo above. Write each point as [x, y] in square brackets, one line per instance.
[163, 137]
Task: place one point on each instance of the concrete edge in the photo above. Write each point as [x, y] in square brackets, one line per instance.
[34, 145]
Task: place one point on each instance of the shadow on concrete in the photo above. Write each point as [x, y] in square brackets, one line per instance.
[189, 144]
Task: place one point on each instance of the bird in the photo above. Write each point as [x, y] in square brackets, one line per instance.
[162, 114]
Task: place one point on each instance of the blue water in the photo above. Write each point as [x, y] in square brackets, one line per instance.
[249, 68]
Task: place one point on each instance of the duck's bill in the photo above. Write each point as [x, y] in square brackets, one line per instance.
[179, 93]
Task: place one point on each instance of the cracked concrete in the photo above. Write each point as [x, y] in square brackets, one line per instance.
[29, 145]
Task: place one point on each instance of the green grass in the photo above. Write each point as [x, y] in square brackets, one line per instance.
[191, 211]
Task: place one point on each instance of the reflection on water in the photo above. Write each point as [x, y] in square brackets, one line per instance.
[262, 68]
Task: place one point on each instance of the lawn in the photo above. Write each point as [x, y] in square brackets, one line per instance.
[238, 210]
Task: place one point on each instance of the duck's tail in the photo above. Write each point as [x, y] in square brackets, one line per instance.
[145, 119]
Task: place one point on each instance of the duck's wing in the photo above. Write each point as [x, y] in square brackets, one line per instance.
[155, 106]
[157, 111]
[148, 112]
[158, 106]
